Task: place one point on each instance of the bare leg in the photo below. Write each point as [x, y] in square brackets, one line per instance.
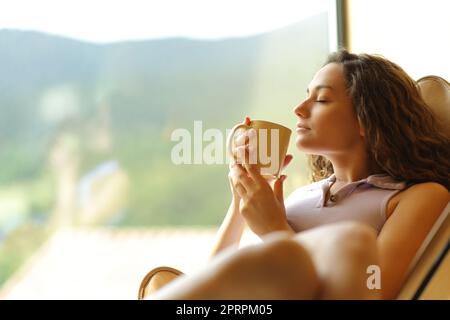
[279, 268]
[328, 262]
[342, 253]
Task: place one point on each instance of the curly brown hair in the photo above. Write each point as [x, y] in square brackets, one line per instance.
[404, 139]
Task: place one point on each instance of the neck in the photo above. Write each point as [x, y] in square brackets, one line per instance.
[350, 166]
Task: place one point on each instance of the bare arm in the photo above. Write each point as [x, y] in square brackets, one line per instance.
[231, 229]
[405, 230]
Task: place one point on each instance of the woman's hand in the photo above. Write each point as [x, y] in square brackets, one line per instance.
[262, 207]
[242, 141]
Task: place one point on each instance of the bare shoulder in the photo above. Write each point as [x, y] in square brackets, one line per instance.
[420, 193]
[426, 191]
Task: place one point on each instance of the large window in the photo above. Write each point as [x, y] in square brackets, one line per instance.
[90, 96]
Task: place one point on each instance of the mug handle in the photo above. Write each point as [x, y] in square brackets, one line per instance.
[231, 136]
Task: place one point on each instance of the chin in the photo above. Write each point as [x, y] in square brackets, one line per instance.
[302, 145]
[306, 147]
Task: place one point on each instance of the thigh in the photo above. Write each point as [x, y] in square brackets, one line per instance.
[319, 238]
[342, 254]
[279, 268]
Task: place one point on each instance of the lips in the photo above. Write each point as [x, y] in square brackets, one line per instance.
[302, 126]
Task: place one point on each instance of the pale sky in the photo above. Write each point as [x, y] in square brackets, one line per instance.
[114, 20]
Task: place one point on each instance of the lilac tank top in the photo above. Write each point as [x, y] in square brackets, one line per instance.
[362, 201]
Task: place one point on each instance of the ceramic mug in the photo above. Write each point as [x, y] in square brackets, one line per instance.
[268, 147]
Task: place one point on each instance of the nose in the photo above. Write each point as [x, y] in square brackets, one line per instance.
[301, 110]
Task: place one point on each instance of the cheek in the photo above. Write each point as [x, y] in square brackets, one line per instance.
[331, 131]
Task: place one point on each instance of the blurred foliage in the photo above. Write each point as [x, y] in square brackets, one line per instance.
[19, 246]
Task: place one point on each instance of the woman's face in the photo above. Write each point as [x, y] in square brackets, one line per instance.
[327, 115]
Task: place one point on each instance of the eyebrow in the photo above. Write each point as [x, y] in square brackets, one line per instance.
[320, 86]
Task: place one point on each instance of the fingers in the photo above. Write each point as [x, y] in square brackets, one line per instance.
[238, 177]
[254, 172]
[237, 188]
[278, 188]
[241, 181]
[245, 155]
[245, 137]
[246, 151]
[240, 154]
[287, 160]
[242, 135]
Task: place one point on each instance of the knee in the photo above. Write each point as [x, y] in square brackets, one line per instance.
[353, 237]
[357, 232]
[281, 250]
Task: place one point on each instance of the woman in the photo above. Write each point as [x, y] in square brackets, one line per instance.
[381, 178]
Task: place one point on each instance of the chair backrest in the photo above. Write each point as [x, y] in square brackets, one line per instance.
[429, 272]
[436, 93]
